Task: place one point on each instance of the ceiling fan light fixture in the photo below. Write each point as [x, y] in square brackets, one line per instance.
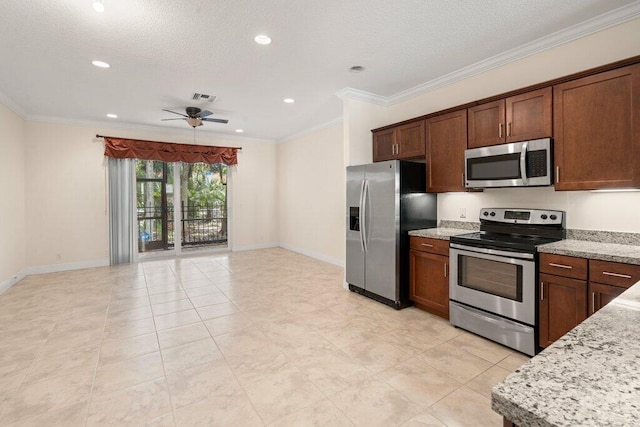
[262, 39]
[98, 6]
[194, 121]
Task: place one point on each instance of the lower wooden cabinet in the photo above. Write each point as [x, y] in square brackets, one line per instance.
[563, 305]
[429, 282]
[601, 295]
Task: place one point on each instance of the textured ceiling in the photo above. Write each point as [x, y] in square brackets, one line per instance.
[163, 51]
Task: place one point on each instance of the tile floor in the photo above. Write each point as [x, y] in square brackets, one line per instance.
[266, 337]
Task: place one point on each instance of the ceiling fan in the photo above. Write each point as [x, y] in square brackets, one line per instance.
[195, 116]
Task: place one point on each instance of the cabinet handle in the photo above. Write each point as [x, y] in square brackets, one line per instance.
[557, 174]
[397, 148]
[462, 175]
[393, 149]
[568, 267]
[427, 245]
[499, 130]
[541, 291]
[593, 302]
[624, 276]
[508, 128]
[445, 269]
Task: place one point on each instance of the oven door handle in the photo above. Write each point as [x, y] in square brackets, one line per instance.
[523, 163]
[520, 255]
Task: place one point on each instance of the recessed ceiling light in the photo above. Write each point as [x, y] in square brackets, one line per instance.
[262, 39]
[356, 69]
[100, 64]
[289, 100]
[239, 130]
[98, 6]
[112, 116]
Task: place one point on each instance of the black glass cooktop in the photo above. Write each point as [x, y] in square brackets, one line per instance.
[485, 239]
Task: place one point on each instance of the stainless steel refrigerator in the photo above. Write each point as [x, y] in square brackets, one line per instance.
[384, 201]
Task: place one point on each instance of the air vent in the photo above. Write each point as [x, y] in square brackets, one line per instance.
[203, 97]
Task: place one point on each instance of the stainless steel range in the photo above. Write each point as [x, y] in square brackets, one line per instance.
[492, 286]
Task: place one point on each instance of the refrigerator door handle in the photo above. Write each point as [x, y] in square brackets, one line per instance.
[361, 207]
[363, 214]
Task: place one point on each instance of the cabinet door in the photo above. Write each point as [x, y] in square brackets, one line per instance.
[486, 124]
[410, 140]
[601, 295]
[384, 145]
[563, 305]
[597, 131]
[429, 282]
[446, 142]
[529, 115]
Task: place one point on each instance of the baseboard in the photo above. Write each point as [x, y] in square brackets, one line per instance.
[254, 247]
[55, 268]
[312, 254]
[7, 284]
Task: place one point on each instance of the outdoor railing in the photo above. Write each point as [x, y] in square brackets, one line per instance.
[201, 224]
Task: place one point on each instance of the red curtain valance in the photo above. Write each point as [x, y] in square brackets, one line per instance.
[121, 148]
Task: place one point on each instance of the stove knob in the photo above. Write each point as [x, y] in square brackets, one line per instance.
[543, 216]
[553, 217]
[485, 213]
[492, 214]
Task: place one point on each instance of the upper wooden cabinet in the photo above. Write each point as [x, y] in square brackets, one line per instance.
[401, 142]
[446, 141]
[517, 118]
[597, 131]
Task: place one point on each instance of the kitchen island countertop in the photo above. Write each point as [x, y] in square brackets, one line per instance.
[589, 377]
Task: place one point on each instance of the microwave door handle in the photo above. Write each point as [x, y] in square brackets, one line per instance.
[523, 162]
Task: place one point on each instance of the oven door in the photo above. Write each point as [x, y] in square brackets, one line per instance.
[497, 281]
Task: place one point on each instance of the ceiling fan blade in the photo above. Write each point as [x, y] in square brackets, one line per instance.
[215, 120]
[180, 114]
[164, 120]
[204, 114]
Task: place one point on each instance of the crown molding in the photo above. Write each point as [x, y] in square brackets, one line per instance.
[361, 95]
[12, 105]
[583, 29]
[151, 128]
[317, 128]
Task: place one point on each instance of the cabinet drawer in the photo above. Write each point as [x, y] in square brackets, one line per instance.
[613, 273]
[435, 246]
[564, 266]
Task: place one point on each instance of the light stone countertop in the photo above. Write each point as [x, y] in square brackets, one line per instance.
[589, 377]
[442, 233]
[628, 254]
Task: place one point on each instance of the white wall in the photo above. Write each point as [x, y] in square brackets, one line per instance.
[585, 210]
[12, 200]
[311, 193]
[66, 192]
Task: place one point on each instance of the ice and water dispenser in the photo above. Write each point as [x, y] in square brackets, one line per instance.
[354, 218]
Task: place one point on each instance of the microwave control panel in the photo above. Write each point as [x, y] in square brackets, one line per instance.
[536, 163]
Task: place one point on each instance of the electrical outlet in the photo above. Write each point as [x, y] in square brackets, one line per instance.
[463, 212]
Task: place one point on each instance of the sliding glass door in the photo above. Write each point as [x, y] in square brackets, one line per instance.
[201, 213]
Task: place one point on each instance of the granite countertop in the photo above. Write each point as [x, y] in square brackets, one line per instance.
[442, 233]
[628, 254]
[589, 377]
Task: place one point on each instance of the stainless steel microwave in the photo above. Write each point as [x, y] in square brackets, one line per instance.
[519, 164]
